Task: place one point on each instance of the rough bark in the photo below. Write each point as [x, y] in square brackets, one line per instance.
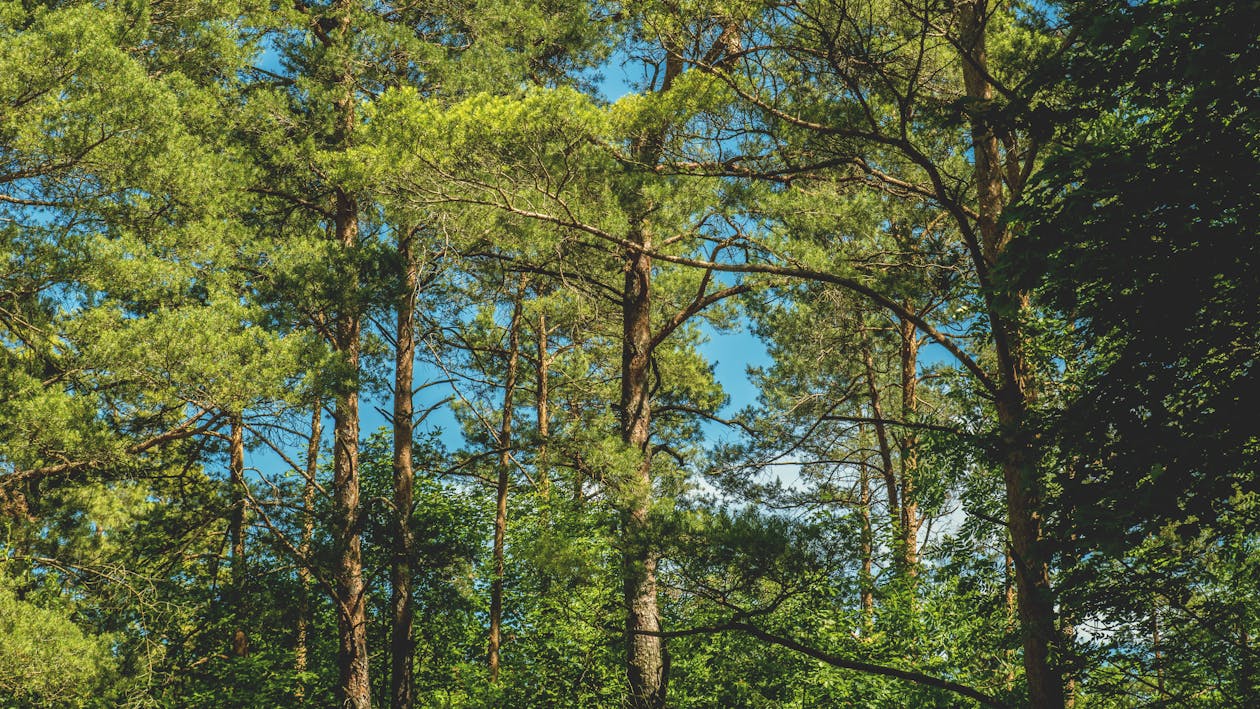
[1019, 469]
[909, 446]
[236, 531]
[354, 687]
[501, 488]
[646, 659]
[645, 653]
[402, 648]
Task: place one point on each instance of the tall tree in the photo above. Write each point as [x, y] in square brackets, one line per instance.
[894, 125]
[1138, 236]
[401, 644]
[503, 441]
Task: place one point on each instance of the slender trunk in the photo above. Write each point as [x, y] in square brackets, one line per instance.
[308, 534]
[1008, 589]
[885, 448]
[1067, 614]
[541, 408]
[909, 446]
[1019, 464]
[866, 580]
[402, 649]
[1246, 668]
[580, 470]
[1067, 631]
[501, 488]
[236, 530]
[1012, 614]
[645, 653]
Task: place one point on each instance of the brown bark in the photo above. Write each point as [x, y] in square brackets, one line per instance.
[885, 448]
[646, 660]
[308, 534]
[1024, 517]
[501, 487]
[909, 446]
[354, 689]
[645, 654]
[1158, 650]
[236, 530]
[1019, 469]
[402, 648]
[1012, 613]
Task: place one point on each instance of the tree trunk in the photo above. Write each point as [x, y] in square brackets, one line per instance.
[909, 446]
[645, 653]
[352, 656]
[541, 407]
[401, 647]
[1024, 518]
[647, 667]
[885, 448]
[354, 687]
[501, 487]
[308, 534]
[1018, 461]
[1158, 652]
[236, 530]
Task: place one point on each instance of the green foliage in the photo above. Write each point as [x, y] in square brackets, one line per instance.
[47, 659]
[173, 175]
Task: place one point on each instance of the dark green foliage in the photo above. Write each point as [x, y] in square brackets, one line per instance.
[1142, 231]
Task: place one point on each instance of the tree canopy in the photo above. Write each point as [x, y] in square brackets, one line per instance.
[789, 353]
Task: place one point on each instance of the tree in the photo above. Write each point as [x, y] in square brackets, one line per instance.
[1139, 238]
[903, 99]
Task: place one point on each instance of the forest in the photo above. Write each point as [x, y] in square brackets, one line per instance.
[630, 353]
